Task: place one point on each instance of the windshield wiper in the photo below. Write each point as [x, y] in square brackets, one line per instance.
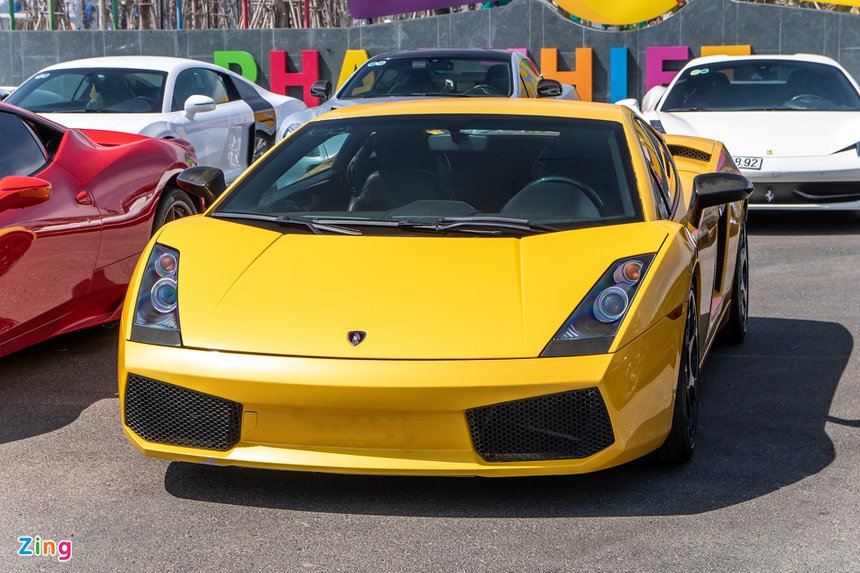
[476, 224]
[491, 223]
[312, 225]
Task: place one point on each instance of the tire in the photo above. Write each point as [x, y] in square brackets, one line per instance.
[735, 329]
[260, 146]
[681, 441]
[174, 204]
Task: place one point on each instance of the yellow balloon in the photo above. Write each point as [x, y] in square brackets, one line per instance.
[617, 12]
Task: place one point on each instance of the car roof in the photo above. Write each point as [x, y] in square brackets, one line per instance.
[155, 63]
[788, 57]
[488, 54]
[484, 106]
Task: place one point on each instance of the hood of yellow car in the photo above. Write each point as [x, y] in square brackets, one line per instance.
[247, 289]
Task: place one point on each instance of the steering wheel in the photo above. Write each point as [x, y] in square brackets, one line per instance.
[486, 89]
[586, 190]
[806, 97]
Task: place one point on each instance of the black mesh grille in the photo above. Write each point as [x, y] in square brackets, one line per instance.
[556, 426]
[168, 414]
[689, 153]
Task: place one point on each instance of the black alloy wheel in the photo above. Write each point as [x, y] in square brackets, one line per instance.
[174, 204]
[681, 441]
[260, 146]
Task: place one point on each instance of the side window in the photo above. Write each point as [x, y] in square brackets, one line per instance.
[232, 87]
[20, 151]
[656, 166]
[198, 81]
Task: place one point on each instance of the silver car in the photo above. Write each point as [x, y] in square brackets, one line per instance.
[434, 73]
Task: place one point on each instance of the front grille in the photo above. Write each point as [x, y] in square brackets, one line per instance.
[812, 192]
[567, 425]
[167, 414]
[689, 153]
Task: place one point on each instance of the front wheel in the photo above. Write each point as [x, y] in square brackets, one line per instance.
[681, 441]
[260, 146]
[174, 204]
[735, 329]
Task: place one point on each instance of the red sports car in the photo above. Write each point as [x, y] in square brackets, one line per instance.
[76, 209]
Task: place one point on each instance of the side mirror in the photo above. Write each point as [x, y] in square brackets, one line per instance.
[321, 89]
[17, 192]
[653, 97]
[549, 88]
[632, 103]
[712, 189]
[198, 104]
[204, 182]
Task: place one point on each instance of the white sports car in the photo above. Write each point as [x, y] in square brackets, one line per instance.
[791, 123]
[229, 120]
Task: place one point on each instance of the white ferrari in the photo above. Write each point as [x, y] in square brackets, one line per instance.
[229, 120]
[791, 123]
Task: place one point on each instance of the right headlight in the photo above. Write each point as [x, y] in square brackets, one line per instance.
[593, 325]
[156, 312]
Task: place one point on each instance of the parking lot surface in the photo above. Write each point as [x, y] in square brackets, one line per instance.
[774, 484]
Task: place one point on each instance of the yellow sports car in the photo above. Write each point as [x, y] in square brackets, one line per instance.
[450, 287]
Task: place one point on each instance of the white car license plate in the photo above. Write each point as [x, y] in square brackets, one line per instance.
[748, 162]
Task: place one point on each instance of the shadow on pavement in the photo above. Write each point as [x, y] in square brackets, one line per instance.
[47, 386]
[803, 223]
[765, 404]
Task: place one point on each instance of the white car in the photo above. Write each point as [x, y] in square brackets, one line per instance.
[5, 91]
[434, 73]
[791, 124]
[229, 120]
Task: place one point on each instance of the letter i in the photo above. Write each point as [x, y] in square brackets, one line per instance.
[37, 545]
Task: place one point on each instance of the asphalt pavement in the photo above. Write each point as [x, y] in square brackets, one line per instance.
[774, 484]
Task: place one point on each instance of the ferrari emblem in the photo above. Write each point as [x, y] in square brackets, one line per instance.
[356, 337]
[769, 195]
[770, 151]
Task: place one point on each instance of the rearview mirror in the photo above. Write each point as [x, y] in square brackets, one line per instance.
[549, 88]
[712, 189]
[321, 89]
[198, 104]
[205, 182]
[17, 192]
[652, 98]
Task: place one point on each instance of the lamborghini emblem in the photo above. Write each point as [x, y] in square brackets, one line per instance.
[356, 337]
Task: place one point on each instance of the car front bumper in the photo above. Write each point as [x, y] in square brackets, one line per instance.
[406, 417]
[830, 182]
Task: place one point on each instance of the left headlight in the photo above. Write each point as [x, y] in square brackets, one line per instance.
[593, 325]
[156, 312]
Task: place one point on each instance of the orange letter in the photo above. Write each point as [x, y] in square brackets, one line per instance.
[581, 77]
[739, 50]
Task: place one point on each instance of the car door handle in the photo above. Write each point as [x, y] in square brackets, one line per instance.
[84, 198]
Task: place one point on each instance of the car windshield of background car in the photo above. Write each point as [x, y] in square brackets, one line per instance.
[403, 77]
[558, 172]
[760, 85]
[92, 91]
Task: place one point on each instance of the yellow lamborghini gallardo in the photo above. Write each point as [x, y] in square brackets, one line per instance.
[451, 287]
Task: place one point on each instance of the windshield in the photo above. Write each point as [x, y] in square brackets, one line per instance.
[480, 173]
[430, 76]
[92, 90]
[757, 85]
